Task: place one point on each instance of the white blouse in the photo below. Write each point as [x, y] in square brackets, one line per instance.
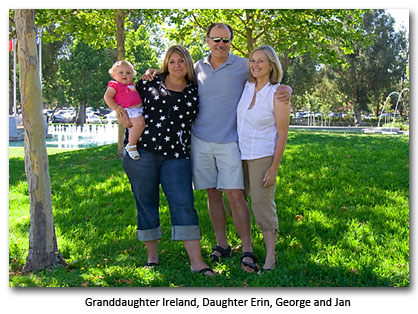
[257, 131]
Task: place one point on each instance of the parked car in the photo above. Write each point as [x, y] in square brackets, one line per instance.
[337, 114]
[111, 117]
[63, 116]
[92, 118]
[102, 112]
[368, 116]
[301, 114]
[306, 114]
[90, 111]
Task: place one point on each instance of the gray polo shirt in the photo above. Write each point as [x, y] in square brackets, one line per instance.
[219, 93]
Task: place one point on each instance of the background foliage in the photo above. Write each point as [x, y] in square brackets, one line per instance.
[335, 60]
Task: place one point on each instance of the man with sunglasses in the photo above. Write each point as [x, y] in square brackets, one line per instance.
[216, 159]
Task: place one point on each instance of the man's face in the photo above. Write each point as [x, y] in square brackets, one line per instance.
[219, 49]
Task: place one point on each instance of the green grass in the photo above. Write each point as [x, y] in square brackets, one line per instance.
[343, 207]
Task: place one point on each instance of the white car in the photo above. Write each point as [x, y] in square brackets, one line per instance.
[111, 117]
[63, 116]
[92, 118]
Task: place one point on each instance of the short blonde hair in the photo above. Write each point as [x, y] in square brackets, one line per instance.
[118, 64]
[276, 74]
[190, 77]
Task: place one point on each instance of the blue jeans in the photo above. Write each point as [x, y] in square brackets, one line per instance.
[175, 176]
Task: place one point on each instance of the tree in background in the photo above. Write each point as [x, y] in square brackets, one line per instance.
[377, 66]
[375, 69]
[389, 54]
[305, 40]
[53, 87]
[83, 70]
[43, 249]
[139, 51]
[290, 32]
[118, 30]
[304, 77]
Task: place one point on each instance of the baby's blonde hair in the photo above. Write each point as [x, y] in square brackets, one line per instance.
[119, 63]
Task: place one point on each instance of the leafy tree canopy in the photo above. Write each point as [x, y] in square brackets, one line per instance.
[323, 33]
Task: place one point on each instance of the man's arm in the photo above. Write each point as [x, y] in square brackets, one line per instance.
[150, 74]
[283, 93]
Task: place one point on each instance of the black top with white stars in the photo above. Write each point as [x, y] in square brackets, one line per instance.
[168, 118]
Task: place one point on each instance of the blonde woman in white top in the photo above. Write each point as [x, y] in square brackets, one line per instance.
[263, 123]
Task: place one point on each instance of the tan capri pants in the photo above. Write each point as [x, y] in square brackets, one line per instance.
[262, 199]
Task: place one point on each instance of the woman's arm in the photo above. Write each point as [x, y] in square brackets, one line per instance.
[282, 118]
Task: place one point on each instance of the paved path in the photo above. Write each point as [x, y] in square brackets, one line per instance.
[368, 130]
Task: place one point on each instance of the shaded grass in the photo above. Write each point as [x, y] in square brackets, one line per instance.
[343, 207]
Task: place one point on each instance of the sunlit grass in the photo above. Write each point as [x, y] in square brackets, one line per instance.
[343, 207]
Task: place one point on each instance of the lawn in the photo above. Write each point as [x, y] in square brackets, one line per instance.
[343, 208]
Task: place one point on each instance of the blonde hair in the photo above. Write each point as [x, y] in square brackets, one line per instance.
[276, 74]
[118, 64]
[190, 77]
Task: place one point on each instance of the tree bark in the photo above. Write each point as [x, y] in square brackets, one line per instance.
[120, 40]
[81, 115]
[43, 251]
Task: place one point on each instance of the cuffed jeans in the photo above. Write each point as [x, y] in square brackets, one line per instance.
[175, 176]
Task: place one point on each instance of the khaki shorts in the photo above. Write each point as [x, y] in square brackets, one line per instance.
[262, 199]
[216, 165]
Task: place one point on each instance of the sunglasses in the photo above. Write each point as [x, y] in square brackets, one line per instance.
[225, 40]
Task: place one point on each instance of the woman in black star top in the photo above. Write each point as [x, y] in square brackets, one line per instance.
[170, 105]
[169, 115]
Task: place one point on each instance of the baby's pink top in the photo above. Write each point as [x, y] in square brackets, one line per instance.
[126, 95]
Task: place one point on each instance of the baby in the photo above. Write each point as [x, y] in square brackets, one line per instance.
[122, 95]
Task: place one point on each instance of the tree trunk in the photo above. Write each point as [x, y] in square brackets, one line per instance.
[249, 35]
[356, 107]
[357, 116]
[43, 250]
[376, 112]
[11, 104]
[120, 39]
[81, 115]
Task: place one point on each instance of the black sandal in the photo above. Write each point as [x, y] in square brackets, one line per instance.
[253, 265]
[151, 265]
[204, 270]
[224, 252]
